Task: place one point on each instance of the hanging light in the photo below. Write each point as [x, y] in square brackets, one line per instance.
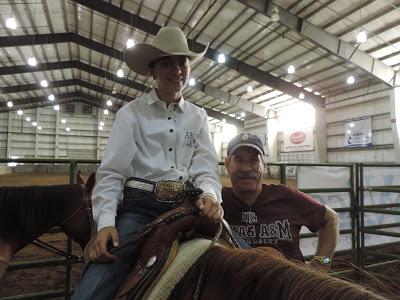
[20, 112]
[120, 73]
[11, 23]
[301, 96]
[44, 83]
[100, 127]
[67, 129]
[63, 121]
[56, 107]
[109, 103]
[130, 43]
[34, 124]
[105, 111]
[10, 104]
[275, 14]
[101, 123]
[249, 89]
[51, 97]
[350, 79]
[28, 119]
[221, 58]
[192, 81]
[291, 69]
[39, 127]
[32, 61]
[362, 36]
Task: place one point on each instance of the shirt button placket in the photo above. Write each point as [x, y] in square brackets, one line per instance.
[172, 139]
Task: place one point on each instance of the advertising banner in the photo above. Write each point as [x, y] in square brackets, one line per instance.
[358, 133]
[298, 140]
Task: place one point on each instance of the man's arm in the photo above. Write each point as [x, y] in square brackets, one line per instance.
[328, 235]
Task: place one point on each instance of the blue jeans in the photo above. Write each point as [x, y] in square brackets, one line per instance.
[101, 281]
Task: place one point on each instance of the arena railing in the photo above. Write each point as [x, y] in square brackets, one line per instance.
[356, 209]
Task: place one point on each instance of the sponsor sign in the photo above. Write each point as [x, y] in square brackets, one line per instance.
[298, 140]
[358, 133]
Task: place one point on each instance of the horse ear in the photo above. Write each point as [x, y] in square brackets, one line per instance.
[91, 181]
[79, 178]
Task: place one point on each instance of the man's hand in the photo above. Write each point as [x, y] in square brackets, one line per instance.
[98, 250]
[209, 207]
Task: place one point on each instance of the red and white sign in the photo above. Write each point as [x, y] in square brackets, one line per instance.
[298, 140]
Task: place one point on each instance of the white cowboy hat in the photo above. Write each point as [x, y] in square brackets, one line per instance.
[168, 41]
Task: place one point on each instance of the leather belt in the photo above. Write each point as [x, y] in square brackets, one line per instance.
[169, 191]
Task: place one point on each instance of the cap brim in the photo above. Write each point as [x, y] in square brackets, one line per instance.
[259, 150]
[139, 57]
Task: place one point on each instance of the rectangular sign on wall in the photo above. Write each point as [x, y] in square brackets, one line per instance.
[358, 133]
[298, 140]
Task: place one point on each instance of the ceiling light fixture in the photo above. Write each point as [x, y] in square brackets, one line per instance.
[28, 119]
[32, 61]
[10, 104]
[51, 97]
[221, 58]
[39, 127]
[101, 123]
[120, 73]
[192, 82]
[249, 89]
[44, 83]
[109, 103]
[11, 23]
[20, 112]
[67, 129]
[130, 43]
[105, 111]
[291, 69]
[362, 36]
[301, 96]
[56, 107]
[350, 79]
[34, 124]
[100, 127]
[275, 14]
[63, 121]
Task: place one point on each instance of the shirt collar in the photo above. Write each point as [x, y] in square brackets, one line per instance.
[153, 98]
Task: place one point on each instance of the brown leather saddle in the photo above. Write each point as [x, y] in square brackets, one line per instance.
[158, 244]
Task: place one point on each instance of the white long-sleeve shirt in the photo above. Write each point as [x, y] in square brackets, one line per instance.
[155, 141]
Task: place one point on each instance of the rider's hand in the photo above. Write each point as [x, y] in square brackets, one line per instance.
[209, 207]
[98, 251]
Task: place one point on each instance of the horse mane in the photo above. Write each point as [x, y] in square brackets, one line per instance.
[263, 273]
[29, 211]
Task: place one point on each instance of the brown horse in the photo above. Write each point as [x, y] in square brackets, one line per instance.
[220, 273]
[28, 212]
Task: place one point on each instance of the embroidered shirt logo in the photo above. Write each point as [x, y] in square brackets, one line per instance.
[191, 139]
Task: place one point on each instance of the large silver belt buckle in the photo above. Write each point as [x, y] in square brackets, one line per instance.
[169, 191]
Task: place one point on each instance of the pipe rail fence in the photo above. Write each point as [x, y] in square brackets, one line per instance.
[356, 209]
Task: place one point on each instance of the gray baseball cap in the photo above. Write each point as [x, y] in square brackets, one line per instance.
[245, 139]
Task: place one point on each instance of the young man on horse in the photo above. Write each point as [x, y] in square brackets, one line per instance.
[265, 215]
[157, 137]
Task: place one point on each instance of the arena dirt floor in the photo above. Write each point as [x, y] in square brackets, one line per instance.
[38, 280]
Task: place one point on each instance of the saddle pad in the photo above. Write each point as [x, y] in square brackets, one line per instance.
[188, 253]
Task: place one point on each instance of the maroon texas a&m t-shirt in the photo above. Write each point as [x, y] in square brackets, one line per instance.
[275, 218]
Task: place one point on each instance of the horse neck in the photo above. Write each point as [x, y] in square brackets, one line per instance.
[78, 222]
[252, 274]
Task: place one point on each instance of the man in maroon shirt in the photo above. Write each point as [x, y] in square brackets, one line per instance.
[266, 215]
